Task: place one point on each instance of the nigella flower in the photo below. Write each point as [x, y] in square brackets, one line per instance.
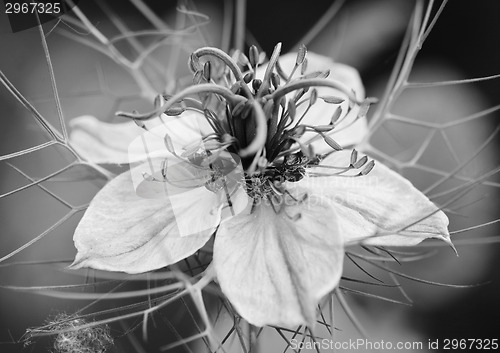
[260, 157]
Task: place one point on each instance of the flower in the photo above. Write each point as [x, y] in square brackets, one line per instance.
[261, 161]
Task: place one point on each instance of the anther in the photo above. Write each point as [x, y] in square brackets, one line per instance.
[331, 142]
[275, 80]
[253, 56]
[248, 77]
[313, 97]
[207, 71]
[323, 128]
[332, 99]
[361, 162]
[256, 84]
[336, 115]
[317, 74]
[368, 168]
[354, 157]
[301, 55]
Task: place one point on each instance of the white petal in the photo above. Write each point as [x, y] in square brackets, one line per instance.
[101, 142]
[273, 269]
[121, 231]
[350, 130]
[199, 197]
[123, 143]
[382, 202]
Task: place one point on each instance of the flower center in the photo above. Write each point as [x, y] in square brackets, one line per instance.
[261, 119]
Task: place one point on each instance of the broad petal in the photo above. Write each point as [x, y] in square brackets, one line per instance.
[123, 143]
[275, 269]
[382, 202]
[101, 142]
[122, 231]
[200, 198]
[350, 130]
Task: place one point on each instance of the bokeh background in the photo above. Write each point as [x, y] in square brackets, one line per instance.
[364, 34]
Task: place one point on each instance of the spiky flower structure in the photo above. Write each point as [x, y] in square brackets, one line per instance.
[260, 156]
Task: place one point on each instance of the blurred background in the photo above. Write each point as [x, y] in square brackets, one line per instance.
[364, 34]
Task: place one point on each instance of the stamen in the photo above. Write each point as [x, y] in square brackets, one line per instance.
[368, 168]
[354, 157]
[336, 115]
[268, 75]
[207, 71]
[301, 55]
[361, 162]
[253, 56]
[332, 99]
